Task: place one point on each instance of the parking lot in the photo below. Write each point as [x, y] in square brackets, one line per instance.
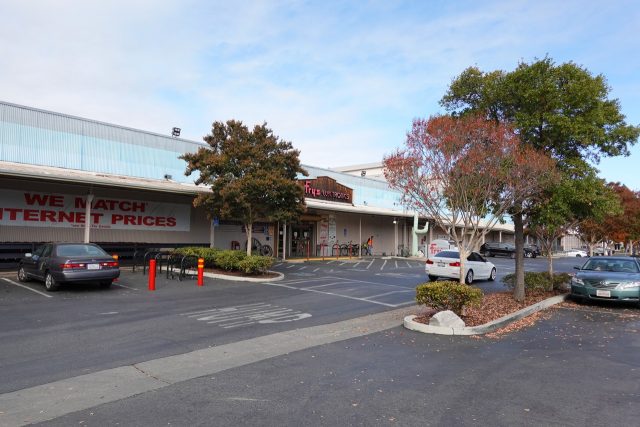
[81, 330]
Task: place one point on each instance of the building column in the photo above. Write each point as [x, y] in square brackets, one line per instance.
[500, 236]
[87, 218]
[212, 228]
[284, 241]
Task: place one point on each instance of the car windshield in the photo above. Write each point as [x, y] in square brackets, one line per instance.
[80, 250]
[615, 265]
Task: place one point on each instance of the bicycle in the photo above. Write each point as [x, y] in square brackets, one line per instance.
[259, 248]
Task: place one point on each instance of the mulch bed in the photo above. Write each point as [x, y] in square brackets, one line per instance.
[267, 275]
[493, 307]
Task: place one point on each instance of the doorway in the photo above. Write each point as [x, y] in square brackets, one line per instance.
[302, 239]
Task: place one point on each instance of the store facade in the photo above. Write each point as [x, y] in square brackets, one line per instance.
[58, 170]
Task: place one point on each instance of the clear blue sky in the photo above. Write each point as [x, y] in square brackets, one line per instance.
[342, 80]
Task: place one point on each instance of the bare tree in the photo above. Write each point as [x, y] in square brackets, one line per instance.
[465, 173]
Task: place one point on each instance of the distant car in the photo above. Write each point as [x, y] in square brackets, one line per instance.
[579, 253]
[57, 263]
[608, 278]
[491, 249]
[600, 251]
[447, 264]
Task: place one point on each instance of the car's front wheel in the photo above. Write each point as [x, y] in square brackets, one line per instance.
[469, 277]
[493, 274]
[578, 256]
[50, 283]
[22, 275]
[527, 254]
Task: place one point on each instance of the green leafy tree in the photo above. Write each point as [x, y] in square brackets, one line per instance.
[567, 204]
[562, 110]
[252, 175]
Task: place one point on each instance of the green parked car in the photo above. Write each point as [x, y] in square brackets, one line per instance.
[614, 278]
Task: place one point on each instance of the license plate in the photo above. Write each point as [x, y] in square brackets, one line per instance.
[441, 264]
[606, 294]
[93, 266]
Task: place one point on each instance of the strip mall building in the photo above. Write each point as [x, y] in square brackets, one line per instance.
[58, 170]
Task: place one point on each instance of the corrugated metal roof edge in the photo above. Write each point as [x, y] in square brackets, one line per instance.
[40, 110]
[71, 175]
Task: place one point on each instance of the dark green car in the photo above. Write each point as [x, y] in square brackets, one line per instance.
[607, 278]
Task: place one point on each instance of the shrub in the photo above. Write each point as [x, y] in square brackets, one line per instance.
[229, 259]
[209, 254]
[538, 280]
[448, 296]
[255, 264]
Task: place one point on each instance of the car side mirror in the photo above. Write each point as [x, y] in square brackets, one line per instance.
[28, 255]
[575, 267]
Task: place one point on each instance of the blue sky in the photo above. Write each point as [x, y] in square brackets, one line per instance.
[341, 80]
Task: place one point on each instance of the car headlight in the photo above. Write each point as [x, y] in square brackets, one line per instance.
[577, 281]
[629, 285]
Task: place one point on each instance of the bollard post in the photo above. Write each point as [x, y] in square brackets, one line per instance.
[200, 271]
[152, 274]
[115, 258]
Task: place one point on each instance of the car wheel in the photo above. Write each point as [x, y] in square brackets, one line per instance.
[469, 278]
[106, 284]
[512, 255]
[22, 275]
[527, 254]
[433, 278]
[492, 276]
[534, 255]
[490, 254]
[50, 283]
[578, 256]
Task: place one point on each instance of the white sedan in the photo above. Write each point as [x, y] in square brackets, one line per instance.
[447, 264]
[579, 253]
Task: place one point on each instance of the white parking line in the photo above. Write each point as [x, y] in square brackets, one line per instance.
[316, 269]
[28, 288]
[370, 263]
[408, 265]
[303, 267]
[396, 264]
[123, 286]
[389, 293]
[383, 264]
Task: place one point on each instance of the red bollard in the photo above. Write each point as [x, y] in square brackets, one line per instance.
[152, 274]
[200, 271]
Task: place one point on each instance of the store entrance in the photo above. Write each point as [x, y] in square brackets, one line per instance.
[302, 238]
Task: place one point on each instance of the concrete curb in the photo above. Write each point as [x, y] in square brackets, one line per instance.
[409, 323]
[245, 279]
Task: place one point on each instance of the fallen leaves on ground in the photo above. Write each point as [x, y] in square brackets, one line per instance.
[495, 306]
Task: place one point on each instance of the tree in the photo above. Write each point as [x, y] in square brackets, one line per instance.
[562, 110]
[625, 227]
[465, 173]
[252, 175]
[568, 203]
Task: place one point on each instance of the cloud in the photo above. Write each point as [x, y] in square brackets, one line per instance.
[341, 80]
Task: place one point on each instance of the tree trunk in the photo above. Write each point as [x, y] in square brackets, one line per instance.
[518, 291]
[550, 265]
[463, 257]
[249, 228]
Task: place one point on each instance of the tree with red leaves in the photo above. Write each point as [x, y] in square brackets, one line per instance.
[625, 227]
[465, 173]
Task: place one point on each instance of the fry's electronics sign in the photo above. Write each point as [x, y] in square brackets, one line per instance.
[29, 209]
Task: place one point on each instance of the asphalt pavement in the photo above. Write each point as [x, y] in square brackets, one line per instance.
[83, 330]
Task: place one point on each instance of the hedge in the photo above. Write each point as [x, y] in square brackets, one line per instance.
[229, 260]
[538, 280]
[448, 296]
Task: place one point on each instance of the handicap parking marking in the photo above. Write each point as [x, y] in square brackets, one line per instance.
[247, 314]
[27, 287]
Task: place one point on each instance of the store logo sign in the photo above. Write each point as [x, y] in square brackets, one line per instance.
[326, 188]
